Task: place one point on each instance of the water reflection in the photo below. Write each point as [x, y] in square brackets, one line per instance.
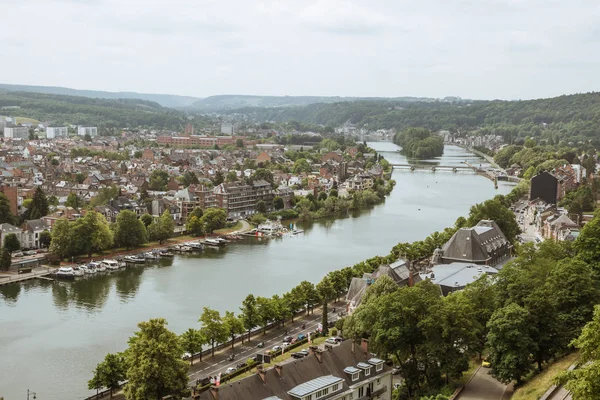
[128, 282]
[10, 293]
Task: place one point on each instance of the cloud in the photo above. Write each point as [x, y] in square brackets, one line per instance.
[343, 17]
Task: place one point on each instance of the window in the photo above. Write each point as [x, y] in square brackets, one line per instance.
[361, 391]
[367, 371]
[379, 367]
[309, 397]
[335, 387]
[354, 377]
[378, 381]
[321, 393]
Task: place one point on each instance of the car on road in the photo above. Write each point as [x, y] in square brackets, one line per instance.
[17, 254]
[276, 348]
[288, 339]
[301, 336]
[285, 345]
[30, 253]
[186, 355]
[300, 354]
[486, 363]
[230, 370]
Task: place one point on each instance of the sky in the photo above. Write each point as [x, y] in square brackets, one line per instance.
[477, 49]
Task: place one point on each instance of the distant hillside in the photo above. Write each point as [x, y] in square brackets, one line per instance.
[165, 100]
[229, 102]
[573, 118]
[77, 110]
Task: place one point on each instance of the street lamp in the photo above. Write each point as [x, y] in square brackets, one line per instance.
[29, 392]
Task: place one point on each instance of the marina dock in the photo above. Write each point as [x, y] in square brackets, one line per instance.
[8, 278]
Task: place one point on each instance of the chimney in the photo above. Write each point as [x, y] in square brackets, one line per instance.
[262, 374]
[214, 391]
[319, 355]
[410, 278]
[364, 344]
[279, 370]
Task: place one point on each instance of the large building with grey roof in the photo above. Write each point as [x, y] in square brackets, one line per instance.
[342, 372]
[482, 244]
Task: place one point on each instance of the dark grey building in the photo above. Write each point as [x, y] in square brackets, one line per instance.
[544, 186]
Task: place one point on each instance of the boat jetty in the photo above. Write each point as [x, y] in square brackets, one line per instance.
[271, 229]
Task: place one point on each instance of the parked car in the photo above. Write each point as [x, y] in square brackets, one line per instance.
[485, 363]
[186, 355]
[17, 254]
[300, 354]
[288, 339]
[241, 365]
[230, 370]
[30, 253]
[301, 336]
[276, 348]
[396, 370]
[339, 339]
[285, 345]
[331, 340]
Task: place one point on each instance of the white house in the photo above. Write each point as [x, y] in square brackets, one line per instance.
[16, 132]
[53, 132]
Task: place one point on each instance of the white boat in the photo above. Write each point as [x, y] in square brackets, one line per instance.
[112, 265]
[212, 242]
[183, 248]
[195, 245]
[65, 273]
[99, 267]
[134, 260]
[77, 271]
[86, 269]
[150, 256]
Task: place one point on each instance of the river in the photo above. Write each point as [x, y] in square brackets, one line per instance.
[52, 334]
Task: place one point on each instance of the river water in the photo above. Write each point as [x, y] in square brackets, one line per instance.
[52, 334]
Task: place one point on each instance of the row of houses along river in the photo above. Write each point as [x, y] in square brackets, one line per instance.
[53, 333]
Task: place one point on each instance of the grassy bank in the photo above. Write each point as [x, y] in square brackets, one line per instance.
[538, 384]
[225, 231]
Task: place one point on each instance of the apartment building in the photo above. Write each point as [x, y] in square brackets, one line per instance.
[239, 199]
[16, 132]
[53, 132]
[87, 130]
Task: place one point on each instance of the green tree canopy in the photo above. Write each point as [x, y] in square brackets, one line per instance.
[74, 201]
[62, 244]
[234, 325]
[159, 180]
[494, 209]
[213, 328]
[192, 341]
[39, 205]
[213, 219]
[155, 368]
[91, 234]
[129, 230]
[109, 373]
[11, 242]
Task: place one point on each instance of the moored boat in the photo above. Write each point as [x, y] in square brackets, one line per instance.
[111, 265]
[65, 273]
[77, 271]
[195, 245]
[134, 260]
[165, 254]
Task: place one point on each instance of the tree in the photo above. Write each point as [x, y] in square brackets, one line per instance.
[588, 242]
[232, 176]
[250, 317]
[233, 325]
[583, 382]
[196, 212]
[494, 209]
[159, 180]
[147, 219]
[239, 143]
[278, 203]
[129, 230]
[109, 373]
[213, 219]
[45, 238]
[62, 239]
[73, 201]
[192, 341]
[87, 137]
[262, 174]
[261, 207]
[5, 213]
[11, 242]
[301, 165]
[188, 178]
[162, 229]
[39, 205]
[309, 294]
[510, 344]
[218, 178]
[155, 368]
[5, 260]
[138, 154]
[213, 328]
[194, 226]
[266, 311]
[326, 293]
[91, 234]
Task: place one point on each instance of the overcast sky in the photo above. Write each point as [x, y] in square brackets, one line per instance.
[482, 49]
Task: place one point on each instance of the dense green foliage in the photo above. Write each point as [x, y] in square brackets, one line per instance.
[571, 118]
[84, 236]
[129, 231]
[11, 242]
[104, 113]
[419, 143]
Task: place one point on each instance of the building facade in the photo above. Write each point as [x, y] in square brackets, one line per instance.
[87, 130]
[53, 132]
[16, 132]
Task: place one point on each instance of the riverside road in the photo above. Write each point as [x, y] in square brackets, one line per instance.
[211, 366]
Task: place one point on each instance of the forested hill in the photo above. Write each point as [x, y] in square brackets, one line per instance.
[229, 102]
[165, 100]
[571, 117]
[78, 110]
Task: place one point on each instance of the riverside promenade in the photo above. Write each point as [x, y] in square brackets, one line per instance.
[9, 277]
